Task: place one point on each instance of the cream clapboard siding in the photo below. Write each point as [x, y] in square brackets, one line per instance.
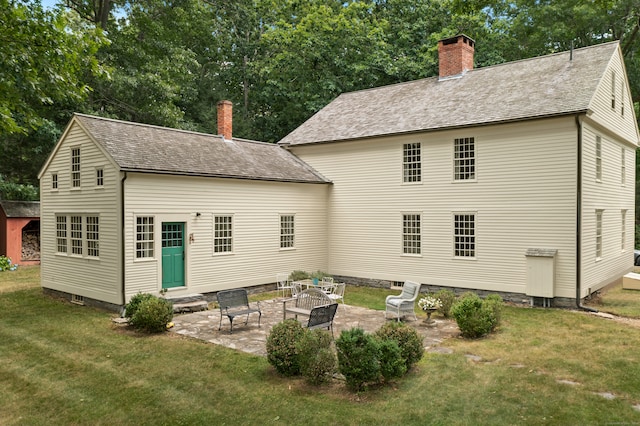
[620, 120]
[255, 206]
[89, 277]
[524, 197]
[612, 197]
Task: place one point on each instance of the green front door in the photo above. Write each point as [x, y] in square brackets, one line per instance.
[172, 254]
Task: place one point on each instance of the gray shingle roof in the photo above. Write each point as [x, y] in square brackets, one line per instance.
[145, 148]
[537, 87]
[20, 208]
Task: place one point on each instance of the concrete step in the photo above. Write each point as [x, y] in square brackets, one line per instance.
[193, 306]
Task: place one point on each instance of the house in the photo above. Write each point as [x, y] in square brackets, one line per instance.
[20, 231]
[516, 178]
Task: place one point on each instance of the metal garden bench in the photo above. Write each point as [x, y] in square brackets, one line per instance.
[236, 302]
[322, 317]
[304, 302]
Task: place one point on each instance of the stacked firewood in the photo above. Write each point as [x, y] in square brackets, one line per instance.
[30, 245]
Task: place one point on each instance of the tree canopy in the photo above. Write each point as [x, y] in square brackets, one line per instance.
[168, 62]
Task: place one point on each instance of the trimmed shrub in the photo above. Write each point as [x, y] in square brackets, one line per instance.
[282, 350]
[392, 363]
[317, 359]
[448, 298]
[358, 358]
[152, 315]
[134, 303]
[407, 339]
[474, 316]
[495, 302]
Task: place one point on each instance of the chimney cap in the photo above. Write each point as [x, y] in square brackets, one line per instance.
[452, 40]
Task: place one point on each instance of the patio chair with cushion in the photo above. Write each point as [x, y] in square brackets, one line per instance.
[282, 280]
[403, 304]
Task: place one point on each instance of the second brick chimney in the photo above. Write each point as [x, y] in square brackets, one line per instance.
[225, 119]
[455, 55]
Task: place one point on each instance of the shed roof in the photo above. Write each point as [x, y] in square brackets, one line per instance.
[154, 149]
[533, 88]
[20, 208]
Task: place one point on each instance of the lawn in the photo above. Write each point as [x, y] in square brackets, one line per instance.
[66, 364]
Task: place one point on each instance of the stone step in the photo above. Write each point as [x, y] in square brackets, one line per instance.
[194, 306]
[194, 297]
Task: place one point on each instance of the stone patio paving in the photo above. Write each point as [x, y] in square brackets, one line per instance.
[252, 339]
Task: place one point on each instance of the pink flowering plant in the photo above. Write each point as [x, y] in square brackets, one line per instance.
[428, 303]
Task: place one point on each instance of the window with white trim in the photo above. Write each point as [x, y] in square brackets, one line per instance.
[76, 235]
[222, 234]
[100, 176]
[598, 158]
[599, 234]
[93, 236]
[287, 231]
[411, 163]
[464, 159]
[613, 90]
[623, 229]
[54, 181]
[144, 237]
[464, 235]
[61, 234]
[411, 233]
[622, 100]
[623, 166]
[75, 167]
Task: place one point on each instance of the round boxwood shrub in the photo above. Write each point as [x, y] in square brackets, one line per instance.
[152, 315]
[134, 303]
[392, 363]
[358, 358]
[317, 359]
[282, 350]
[476, 317]
[407, 339]
[447, 298]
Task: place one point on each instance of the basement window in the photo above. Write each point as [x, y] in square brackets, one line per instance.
[78, 300]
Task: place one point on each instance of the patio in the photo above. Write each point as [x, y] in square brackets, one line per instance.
[252, 339]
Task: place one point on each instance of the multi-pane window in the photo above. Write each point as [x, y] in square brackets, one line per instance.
[93, 236]
[100, 177]
[598, 234]
[464, 235]
[76, 235]
[464, 159]
[287, 231]
[623, 166]
[411, 163]
[622, 100]
[223, 234]
[598, 158]
[144, 237]
[623, 229]
[613, 90]
[411, 234]
[75, 167]
[61, 234]
[54, 181]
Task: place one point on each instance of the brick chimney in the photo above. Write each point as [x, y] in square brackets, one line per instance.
[225, 119]
[455, 55]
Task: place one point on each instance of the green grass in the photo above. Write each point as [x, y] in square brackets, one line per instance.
[65, 364]
[22, 278]
[618, 301]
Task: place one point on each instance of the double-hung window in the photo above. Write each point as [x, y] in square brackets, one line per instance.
[623, 166]
[599, 234]
[144, 237]
[464, 159]
[75, 167]
[93, 236]
[464, 235]
[287, 231]
[61, 234]
[411, 233]
[76, 235]
[411, 163]
[598, 159]
[222, 234]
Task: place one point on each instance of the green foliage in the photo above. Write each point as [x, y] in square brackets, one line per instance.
[7, 265]
[447, 298]
[317, 359]
[406, 337]
[392, 364]
[476, 317]
[358, 358]
[298, 275]
[282, 351]
[16, 191]
[132, 307]
[152, 315]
